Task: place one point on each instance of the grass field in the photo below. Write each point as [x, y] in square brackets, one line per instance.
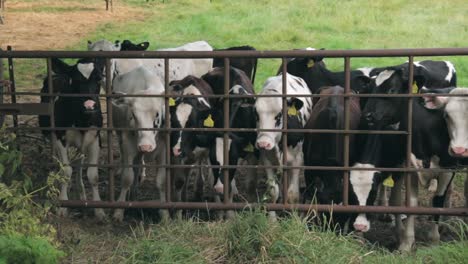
[266, 25]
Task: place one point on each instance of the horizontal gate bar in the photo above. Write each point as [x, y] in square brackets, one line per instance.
[237, 54]
[268, 206]
[25, 109]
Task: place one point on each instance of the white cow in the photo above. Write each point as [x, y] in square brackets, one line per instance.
[137, 76]
[269, 113]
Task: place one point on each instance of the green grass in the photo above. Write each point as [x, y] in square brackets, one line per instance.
[251, 238]
[284, 25]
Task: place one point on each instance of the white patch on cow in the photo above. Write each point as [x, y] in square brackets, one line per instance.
[457, 123]
[383, 76]
[309, 48]
[195, 91]
[362, 181]
[183, 112]
[365, 71]
[418, 64]
[395, 126]
[451, 71]
[238, 89]
[85, 69]
[220, 150]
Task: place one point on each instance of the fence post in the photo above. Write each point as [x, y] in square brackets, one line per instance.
[11, 72]
[2, 116]
[347, 99]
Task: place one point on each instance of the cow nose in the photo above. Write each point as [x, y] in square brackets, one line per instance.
[145, 148]
[263, 145]
[89, 104]
[459, 150]
[176, 151]
[219, 187]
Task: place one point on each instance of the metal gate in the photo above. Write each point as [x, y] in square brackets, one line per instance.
[347, 55]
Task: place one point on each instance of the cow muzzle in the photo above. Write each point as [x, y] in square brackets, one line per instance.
[177, 151]
[146, 148]
[458, 151]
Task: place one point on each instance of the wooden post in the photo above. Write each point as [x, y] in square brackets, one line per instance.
[2, 117]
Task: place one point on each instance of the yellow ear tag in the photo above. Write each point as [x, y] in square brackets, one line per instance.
[171, 101]
[415, 88]
[292, 111]
[249, 148]
[389, 182]
[310, 64]
[208, 122]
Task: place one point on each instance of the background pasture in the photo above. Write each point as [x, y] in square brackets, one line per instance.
[266, 25]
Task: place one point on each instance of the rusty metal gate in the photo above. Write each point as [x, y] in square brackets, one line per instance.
[110, 165]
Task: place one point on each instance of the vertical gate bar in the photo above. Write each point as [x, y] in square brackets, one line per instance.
[346, 127]
[107, 5]
[11, 72]
[409, 137]
[2, 116]
[50, 84]
[285, 134]
[167, 134]
[110, 125]
[227, 184]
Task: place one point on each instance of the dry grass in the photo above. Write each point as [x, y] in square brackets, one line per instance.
[52, 25]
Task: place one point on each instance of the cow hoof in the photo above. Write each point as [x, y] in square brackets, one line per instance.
[100, 215]
[62, 212]
[118, 215]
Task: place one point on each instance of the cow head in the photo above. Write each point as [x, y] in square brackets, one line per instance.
[103, 45]
[269, 115]
[84, 78]
[301, 66]
[128, 45]
[455, 109]
[145, 113]
[189, 112]
[382, 112]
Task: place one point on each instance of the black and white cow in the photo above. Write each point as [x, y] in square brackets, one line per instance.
[142, 113]
[248, 65]
[269, 112]
[429, 150]
[241, 115]
[327, 149]
[81, 112]
[455, 109]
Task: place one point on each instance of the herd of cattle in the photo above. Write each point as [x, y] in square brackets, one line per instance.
[439, 125]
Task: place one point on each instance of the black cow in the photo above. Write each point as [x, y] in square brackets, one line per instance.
[248, 65]
[429, 148]
[241, 115]
[128, 45]
[81, 112]
[327, 149]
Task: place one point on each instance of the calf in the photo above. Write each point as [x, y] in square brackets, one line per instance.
[81, 112]
[248, 65]
[240, 116]
[269, 112]
[142, 113]
[429, 149]
[327, 149]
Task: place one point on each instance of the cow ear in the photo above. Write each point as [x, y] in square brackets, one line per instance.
[118, 101]
[144, 45]
[295, 102]
[364, 83]
[60, 67]
[89, 44]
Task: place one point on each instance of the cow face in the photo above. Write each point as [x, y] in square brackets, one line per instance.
[189, 112]
[103, 45]
[302, 67]
[269, 114]
[382, 112]
[145, 113]
[84, 78]
[455, 109]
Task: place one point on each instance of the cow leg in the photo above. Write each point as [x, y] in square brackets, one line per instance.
[128, 155]
[439, 200]
[272, 186]
[179, 177]
[161, 179]
[395, 200]
[67, 169]
[91, 143]
[79, 180]
[251, 181]
[408, 238]
[293, 188]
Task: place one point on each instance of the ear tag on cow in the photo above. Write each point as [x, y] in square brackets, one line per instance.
[292, 111]
[171, 101]
[415, 88]
[249, 148]
[208, 122]
[389, 182]
[310, 64]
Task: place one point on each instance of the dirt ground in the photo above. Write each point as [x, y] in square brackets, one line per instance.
[54, 25]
